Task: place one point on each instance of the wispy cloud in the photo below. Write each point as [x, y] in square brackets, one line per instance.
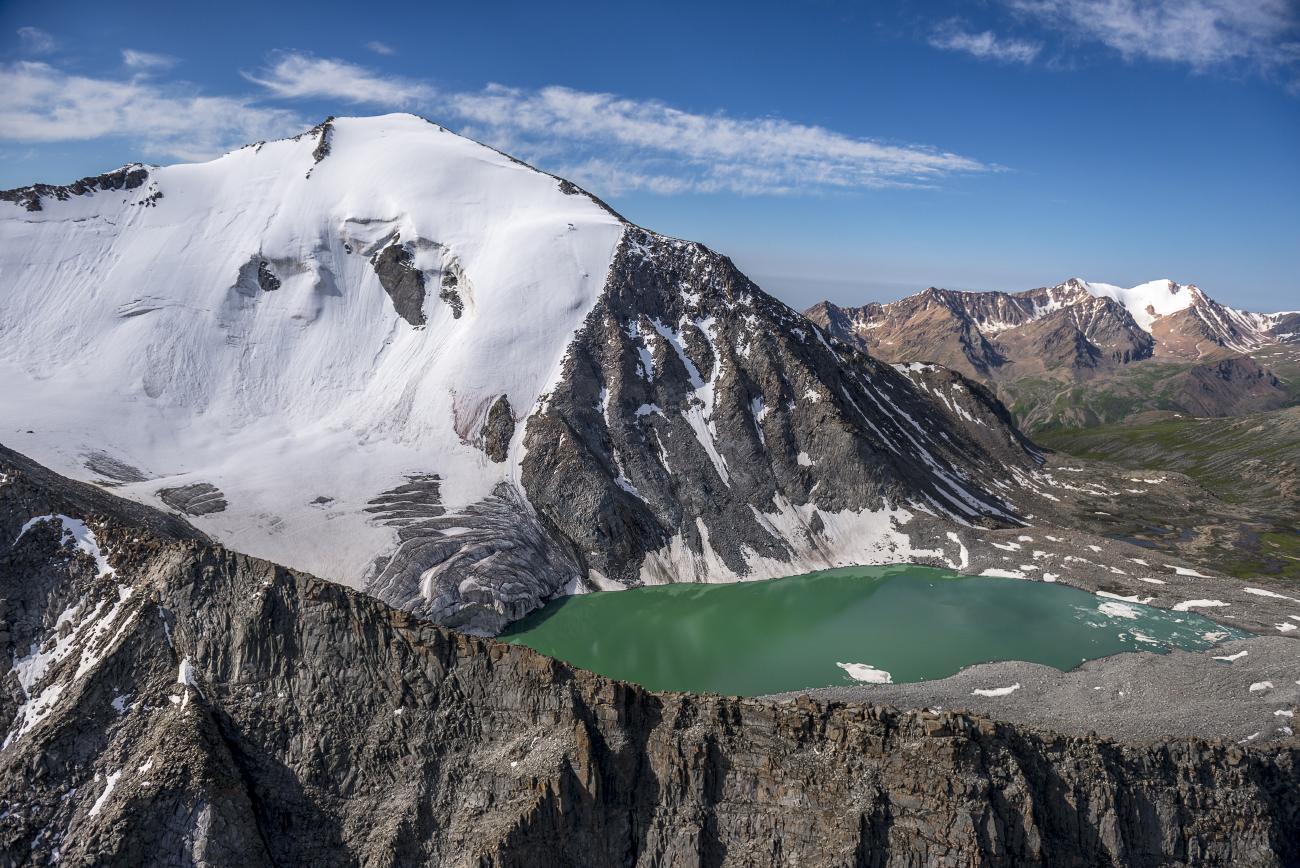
[381, 48]
[36, 41]
[295, 76]
[1199, 33]
[614, 144]
[606, 142]
[147, 60]
[985, 45]
[39, 103]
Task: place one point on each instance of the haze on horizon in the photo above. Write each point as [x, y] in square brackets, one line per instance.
[833, 152]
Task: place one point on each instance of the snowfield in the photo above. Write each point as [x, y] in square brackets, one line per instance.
[134, 334]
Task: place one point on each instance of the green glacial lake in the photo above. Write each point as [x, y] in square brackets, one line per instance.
[915, 623]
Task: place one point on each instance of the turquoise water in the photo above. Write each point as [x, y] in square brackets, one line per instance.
[916, 623]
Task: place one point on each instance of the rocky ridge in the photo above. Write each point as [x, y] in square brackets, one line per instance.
[176, 703]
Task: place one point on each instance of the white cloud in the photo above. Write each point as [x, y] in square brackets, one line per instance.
[1200, 33]
[35, 40]
[296, 76]
[381, 48]
[614, 144]
[608, 143]
[39, 103]
[146, 60]
[985, 45]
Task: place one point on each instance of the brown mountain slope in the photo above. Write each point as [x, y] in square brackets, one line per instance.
[1084, 354]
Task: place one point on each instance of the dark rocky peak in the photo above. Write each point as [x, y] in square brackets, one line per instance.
[693, 406]
[1108, 325]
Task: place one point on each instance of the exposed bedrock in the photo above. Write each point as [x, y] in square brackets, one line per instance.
[404, 283]
[128, 177]
[697, 411]
[498, 429]
[204, 707]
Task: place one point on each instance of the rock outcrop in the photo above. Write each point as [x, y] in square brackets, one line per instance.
[196, 706]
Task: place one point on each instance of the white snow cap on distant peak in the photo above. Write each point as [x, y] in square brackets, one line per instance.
[1145, 302]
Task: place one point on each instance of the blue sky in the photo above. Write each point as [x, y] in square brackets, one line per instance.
[846, 150]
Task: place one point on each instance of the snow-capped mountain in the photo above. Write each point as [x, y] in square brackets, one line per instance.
[1161, 319]
[395, 357]
[1078, 331]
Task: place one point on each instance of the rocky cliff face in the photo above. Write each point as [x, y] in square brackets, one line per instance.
[174, 703]
[703, 429]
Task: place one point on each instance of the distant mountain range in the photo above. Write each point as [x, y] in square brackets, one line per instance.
[1037, 347]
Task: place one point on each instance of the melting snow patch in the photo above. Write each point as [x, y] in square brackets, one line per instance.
[1228, 658]
[1284, 712]
[110, 782]
[1183, 571]
[1261, 686]
[1285, 627]
[866, 672]
[1133, 599]
[995, 691]
[119, 703]
[186, 673]
[804, 460]
[1260, 592]
[1118, 610]
[962, 554]
[997, 573]
[1188, 605]
[1152, 581]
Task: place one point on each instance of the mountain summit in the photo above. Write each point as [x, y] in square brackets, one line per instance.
[1029, 345]
[395, 357]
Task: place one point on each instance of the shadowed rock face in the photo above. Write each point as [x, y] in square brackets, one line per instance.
[692, 406]
[403, 282]
[248, 714]
[498, 429]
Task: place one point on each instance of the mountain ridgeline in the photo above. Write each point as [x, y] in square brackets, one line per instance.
[391, 356]
[1083, 353]
[176, 703]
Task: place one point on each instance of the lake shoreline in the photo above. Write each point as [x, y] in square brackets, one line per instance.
[1130, 697]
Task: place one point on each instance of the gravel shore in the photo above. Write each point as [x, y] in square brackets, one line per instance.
[1131, 697]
